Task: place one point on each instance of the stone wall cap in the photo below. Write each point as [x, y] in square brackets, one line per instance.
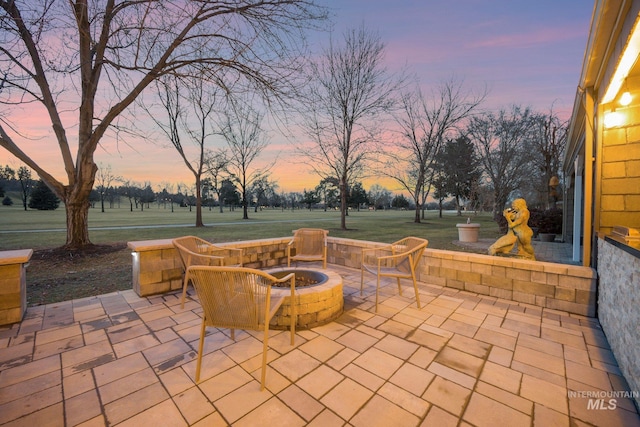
[149, 245]
[18, 256]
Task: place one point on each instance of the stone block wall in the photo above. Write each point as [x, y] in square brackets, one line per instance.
[315, 305]
[619, 307]
[262, 253]
[13, 285]
[156, 267]
[543, 284]
[555, 286]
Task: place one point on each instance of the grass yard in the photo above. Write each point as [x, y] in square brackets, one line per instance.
[54, 275]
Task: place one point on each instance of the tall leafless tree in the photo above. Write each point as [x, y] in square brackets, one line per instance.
[549, 142]
[217, 162]
[379, 196]
[350, 90]
[26, 184]
[504, 146]
[425, 123]
[104, 180]
[240, 125]
[189, 105]
[97, 57]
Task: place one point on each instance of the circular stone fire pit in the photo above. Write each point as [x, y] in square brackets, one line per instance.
[319, 298]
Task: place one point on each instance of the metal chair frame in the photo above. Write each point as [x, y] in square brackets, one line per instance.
[239, 298]
[193, 250]
[399, 260]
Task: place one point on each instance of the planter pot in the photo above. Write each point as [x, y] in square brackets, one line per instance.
[468, 232]
[547, 237]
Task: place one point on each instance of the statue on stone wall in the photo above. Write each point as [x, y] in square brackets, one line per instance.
[519, 232]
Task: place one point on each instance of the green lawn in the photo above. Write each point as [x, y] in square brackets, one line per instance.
[55, 276]
[46, 229]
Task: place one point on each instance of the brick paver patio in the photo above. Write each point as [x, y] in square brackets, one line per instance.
[463, 359]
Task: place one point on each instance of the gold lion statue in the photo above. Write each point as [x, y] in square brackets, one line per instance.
[519, 231]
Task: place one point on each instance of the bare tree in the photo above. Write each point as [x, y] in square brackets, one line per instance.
[328, 191]
[129, 189]
[104, 180]
[424, 124]
[217, 162]
[189, 106]
[351, 90]
[262, 190]
[241, 127]
[549, 142]
[26, 184]
[503, 142]
[6, 174]
[97, 57]
[167, 194]
[379, 196]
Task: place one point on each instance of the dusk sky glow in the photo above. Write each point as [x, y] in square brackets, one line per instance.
[526, 53]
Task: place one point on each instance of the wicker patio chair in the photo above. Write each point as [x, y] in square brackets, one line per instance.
[310, 244]
[239, 298]
[399, 260]
[193, 250]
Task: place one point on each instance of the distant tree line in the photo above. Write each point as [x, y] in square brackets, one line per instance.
[113, 192]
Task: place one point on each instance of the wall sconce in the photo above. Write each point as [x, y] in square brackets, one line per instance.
[613, 119]
[625, 99]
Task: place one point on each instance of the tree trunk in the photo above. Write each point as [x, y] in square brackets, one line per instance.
[76, 202]
[343, 204]
[199, 222]
[245, 205]
[77, 223]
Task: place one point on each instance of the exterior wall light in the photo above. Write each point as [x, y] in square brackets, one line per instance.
[613, 119]
[625, 99]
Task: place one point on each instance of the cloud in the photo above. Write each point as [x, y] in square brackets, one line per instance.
[538, 37]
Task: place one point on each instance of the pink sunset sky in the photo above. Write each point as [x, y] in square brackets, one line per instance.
[526, 53]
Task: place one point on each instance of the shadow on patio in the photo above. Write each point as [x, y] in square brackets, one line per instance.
[120, 359]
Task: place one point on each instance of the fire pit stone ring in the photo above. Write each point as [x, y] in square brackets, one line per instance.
[316, 304]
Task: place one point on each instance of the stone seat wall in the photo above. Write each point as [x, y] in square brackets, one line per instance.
[13, 285]
[156, 269]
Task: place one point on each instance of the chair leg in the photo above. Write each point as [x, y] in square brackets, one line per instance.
[184, 292]
[294, 320]
[399, 287]
[377, 289]
[265, 348]
[361, 280]
[415, 287]
[200, 347]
